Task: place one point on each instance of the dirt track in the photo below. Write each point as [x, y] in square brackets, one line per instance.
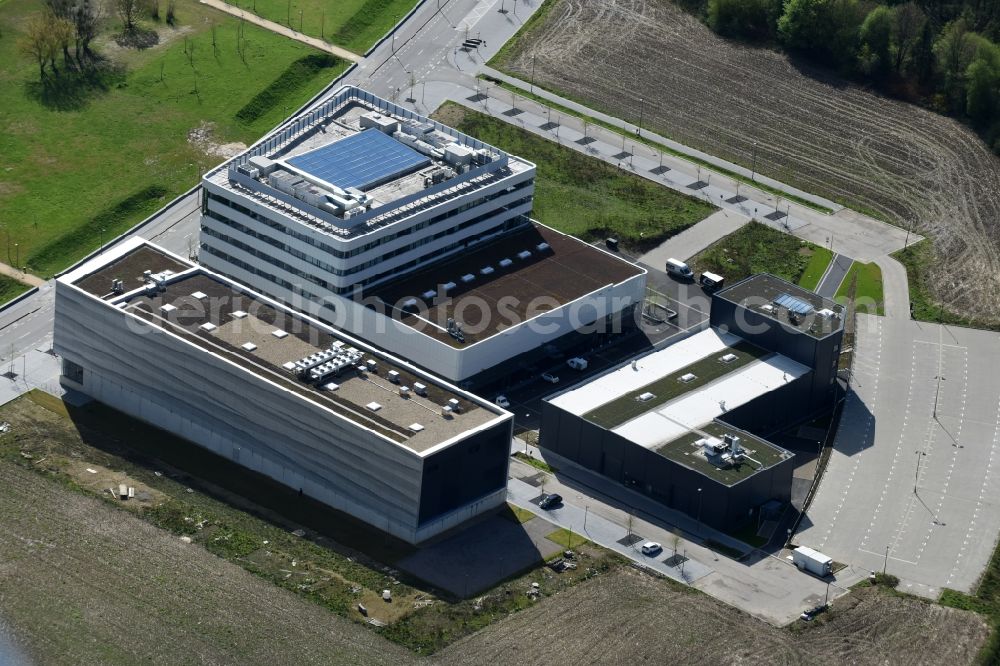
[823, 135]
[631, 618]
[85, 583]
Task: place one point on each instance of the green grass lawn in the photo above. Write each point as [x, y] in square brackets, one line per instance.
[985, 601]
[868, 297]
[818, 263]
[11, 288]
[567, 538]
[582, 195]
[121, 152]
[353, 24]
[757, 248]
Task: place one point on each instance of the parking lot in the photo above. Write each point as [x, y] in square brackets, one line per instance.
[912, 485]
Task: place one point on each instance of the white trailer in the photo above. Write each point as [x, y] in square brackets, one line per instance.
[807, 559]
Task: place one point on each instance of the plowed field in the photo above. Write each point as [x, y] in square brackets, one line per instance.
[901, 162]
[632, 618]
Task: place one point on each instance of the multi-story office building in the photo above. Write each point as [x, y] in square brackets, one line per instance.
[408, 233]
[192, 352]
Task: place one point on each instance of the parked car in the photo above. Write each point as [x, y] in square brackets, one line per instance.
[550, 378]
[502, 401]
[679, 269]
[550, 501]
[577, 363]
[651, 548]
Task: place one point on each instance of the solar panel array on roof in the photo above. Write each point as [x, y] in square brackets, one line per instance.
[792, 304]
[364, 160]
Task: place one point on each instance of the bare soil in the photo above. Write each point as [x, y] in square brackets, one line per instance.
[885, 157]
[629, 617]
[85, 583]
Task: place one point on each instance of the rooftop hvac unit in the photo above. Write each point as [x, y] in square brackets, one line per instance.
[239, 314]
[448, 286]
[278, 333]
[208, 327]
[419, 388]
[248, 170]
[371, 364]
[428, 295]
[486, 270]
[767, 307]
[446, 411]
[331, 386]
[200, 295]
[415, 427]
[523, 254]
[264, 165]
[167, 308]
[373, 406]
[288, 366]
[117, 286]
[248, 346]
[468, 277]
[645, 397]
[542, 247]
[393, 376]
[728, 358]
[410, 304]
[404, 391]
[454, 404]
[732, 442]
[505, 262]
[688, 377]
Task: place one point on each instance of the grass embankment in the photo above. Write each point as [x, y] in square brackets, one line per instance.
[353, 24]
[667, 150]
[584, 196]
[868, 295]
[985, 601]
[535, 462]
[247, 519]
[818, 263]
[757, 248]
[11, 288]
[921, 269]
[117, 144]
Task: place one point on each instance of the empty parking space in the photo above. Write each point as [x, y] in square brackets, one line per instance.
[911, 484]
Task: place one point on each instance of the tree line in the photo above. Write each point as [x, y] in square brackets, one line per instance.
[942, 53]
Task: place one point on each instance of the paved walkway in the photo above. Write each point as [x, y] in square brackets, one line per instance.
[27, 278]
[282, 30]
[694, 239]
[834, 275]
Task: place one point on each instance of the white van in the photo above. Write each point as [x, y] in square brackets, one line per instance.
[679, 269]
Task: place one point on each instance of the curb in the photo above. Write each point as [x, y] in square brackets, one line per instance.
[17, 299]
[394, 28]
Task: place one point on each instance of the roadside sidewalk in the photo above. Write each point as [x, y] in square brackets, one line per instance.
[27, 279]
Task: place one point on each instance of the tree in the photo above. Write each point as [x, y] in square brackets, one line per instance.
[923, 55]
[907, 26]
[129, 12]
[87, 18]
[748, 19]
[953, 52]
[826, 29]
[981, 95]
[876, 39]
[37, 40]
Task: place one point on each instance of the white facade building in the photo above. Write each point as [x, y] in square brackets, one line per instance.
[358, 197]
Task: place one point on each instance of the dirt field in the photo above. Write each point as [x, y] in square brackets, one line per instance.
[630, 617]
[85, 583]
[899, 161]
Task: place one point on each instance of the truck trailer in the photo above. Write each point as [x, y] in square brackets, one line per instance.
[813, 561]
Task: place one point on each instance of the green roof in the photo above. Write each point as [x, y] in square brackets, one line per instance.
[682, 450]
[612, 414]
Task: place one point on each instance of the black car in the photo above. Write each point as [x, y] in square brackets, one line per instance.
[550, 501]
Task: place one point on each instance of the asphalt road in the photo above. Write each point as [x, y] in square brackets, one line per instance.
[835, 272]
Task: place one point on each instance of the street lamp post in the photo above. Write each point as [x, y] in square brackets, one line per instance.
[699, 505]
[885, 563]
[916, 476]
[753, 169]
[639, 132]
[532, 85]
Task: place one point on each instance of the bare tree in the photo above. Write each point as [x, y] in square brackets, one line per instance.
[129, 12]
[62, 32]
[87, 18]
[37, 40]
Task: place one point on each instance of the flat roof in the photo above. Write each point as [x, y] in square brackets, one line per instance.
[332, 143]
[262, 337]
[502, 283]
[362, 160]
[685, 451]
[129, 269]
[695, 408]
[644, 371]
[787, 303]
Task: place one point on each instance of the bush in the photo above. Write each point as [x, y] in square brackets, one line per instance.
[886, 579]
[744, 19]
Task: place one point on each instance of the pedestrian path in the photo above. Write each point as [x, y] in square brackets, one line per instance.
[282, 30]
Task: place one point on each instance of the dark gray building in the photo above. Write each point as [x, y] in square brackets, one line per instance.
[686, 425]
